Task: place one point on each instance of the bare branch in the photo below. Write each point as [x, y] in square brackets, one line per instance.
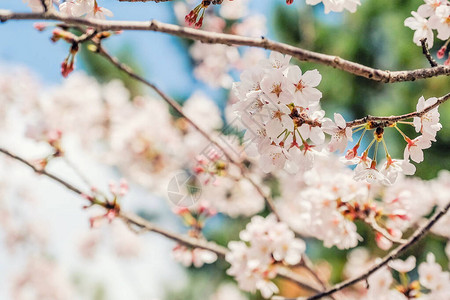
[427, 54]
[185, 240]
[43, 172]
[393, 119]
[418, 234]
[230, 39]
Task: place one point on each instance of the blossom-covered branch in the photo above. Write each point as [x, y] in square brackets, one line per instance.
[177, 107]
[230, 39]
[418, 234]
[133, 219]
[393, 119]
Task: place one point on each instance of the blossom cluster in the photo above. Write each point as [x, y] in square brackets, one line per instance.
[265, 244]
[433, 282]
[433, 15]
[279, 106]
[285, 127]
[320, 204]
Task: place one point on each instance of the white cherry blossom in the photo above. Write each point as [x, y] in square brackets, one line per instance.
[422, 29]
[403, 266]
[441, 22]
[414, 148]
[340, 133]
[428, 124]
[336, 5]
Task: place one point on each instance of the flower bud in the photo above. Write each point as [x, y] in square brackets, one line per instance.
[441, 52]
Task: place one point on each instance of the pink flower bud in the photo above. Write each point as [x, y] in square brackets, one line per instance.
[441, 52]
[40, 26]
[66, 68]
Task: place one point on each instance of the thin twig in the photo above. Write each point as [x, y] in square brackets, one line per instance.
[231, 39]
[44, 5]
[418, 234]
[394, 119]
[373, 223]
[43, 172]
[427, 54]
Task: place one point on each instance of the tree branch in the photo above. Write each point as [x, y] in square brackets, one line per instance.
[427, 54]
[230, 39]
[418, 234]
[393, 119]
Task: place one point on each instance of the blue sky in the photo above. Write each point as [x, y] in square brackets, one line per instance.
[156, 52]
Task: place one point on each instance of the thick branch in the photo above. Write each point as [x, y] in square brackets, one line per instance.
[230, 39]
[393, 119]
[418, 234]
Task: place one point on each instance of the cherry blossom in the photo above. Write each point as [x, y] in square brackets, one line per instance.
[196, 257]
[84, 8]
[422, 29]
[440, 21]
[336, 5]
[403, 266]
[269, 242]
[428, 124]
[340, 133]
[414, 148]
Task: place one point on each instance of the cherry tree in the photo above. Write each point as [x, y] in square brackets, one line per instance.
[301, 177]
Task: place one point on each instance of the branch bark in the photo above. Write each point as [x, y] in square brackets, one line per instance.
[230, 39]
[427, 53]
[393, 119]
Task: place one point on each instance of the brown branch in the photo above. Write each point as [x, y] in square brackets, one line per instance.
[43, 172]
[427, 54]
[230, 39]
[133, 219]
[392, 119]
[129, 218]
[418, 234]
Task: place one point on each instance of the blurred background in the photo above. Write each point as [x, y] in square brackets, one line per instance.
[374, 36]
